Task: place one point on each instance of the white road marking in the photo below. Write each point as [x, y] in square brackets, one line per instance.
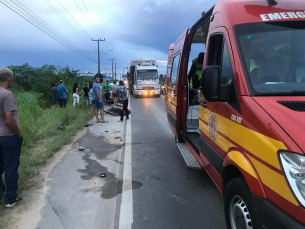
[126, 210]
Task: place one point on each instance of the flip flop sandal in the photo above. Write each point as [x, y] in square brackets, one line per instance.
[105, 122]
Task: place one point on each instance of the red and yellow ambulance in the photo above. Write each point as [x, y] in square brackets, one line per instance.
[245, 121]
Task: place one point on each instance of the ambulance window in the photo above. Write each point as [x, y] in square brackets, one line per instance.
[226, 67]
[175, 69]
[215, 50]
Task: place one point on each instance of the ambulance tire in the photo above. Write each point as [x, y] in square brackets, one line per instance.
[238, 196]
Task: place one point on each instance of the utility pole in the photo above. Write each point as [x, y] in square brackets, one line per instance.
[98, 54]
[112, 66]
[105, 71]
[115, 70]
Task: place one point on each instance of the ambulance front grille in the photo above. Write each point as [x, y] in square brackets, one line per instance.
[293, 105]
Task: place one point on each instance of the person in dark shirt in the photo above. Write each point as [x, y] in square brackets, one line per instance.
[85, 92]
[54, 96]
[122, 94]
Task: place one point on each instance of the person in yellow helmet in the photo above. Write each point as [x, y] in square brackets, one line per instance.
[256, 63]
[196, 70]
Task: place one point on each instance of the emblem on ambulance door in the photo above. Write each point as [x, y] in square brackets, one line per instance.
[212, 126]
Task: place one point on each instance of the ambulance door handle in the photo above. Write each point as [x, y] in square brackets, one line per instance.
[204, 105]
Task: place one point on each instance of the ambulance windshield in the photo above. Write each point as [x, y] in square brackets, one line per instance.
[273, 56]
[147, 74]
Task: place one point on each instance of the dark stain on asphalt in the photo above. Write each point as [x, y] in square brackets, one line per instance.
[93, 168]
[135, 185]
[97, 146]
[155, 177]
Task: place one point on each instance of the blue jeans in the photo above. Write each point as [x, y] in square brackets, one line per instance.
[63, 102]
[10, 148]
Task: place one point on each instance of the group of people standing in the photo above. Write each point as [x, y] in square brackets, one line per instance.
[59, 94]
[93, 96]
[119, 93]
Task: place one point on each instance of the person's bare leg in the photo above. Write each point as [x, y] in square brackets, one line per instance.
[92, 113]
[96, 115]
[87, 102]
[102, 115]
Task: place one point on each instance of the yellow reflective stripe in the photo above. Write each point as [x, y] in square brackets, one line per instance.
[171, 106]
[258, 144]
[273, 180]
[242, 162]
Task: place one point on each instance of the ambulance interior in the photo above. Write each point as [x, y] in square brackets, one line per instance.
[192, 122]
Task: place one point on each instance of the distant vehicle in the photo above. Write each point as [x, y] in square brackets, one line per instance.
[143, 78]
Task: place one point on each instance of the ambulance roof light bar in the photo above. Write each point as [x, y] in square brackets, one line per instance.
[272, 2]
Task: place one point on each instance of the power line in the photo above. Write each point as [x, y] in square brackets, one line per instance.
[47, 26]
[86, 18]
[75, 21]
[24, 17]
[62, 17]
[92, 19]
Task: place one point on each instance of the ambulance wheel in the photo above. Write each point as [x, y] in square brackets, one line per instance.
[240, 209]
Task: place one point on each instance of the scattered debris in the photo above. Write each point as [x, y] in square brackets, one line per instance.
[103, 175]
[106, 131]
[86, 125]
[61, 127]
[114, 109]
[81, 149]
[117, 137]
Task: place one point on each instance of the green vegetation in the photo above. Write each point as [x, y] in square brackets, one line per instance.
[39, 126]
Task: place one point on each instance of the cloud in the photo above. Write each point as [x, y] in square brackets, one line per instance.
[140, 34]
[148, 9]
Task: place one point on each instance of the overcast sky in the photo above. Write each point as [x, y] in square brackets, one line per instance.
[134, 29]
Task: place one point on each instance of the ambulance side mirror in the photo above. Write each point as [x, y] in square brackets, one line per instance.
[210, 83]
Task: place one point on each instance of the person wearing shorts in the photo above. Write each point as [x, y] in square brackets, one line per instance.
[98, 100]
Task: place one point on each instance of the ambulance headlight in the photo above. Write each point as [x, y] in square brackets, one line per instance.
[294, 169]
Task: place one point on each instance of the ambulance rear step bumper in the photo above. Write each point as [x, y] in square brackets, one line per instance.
[190, 160]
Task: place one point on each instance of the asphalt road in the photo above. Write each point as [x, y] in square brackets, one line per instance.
[171, 196]
[147, 186]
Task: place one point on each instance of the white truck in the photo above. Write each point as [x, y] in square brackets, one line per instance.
[143, 78]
